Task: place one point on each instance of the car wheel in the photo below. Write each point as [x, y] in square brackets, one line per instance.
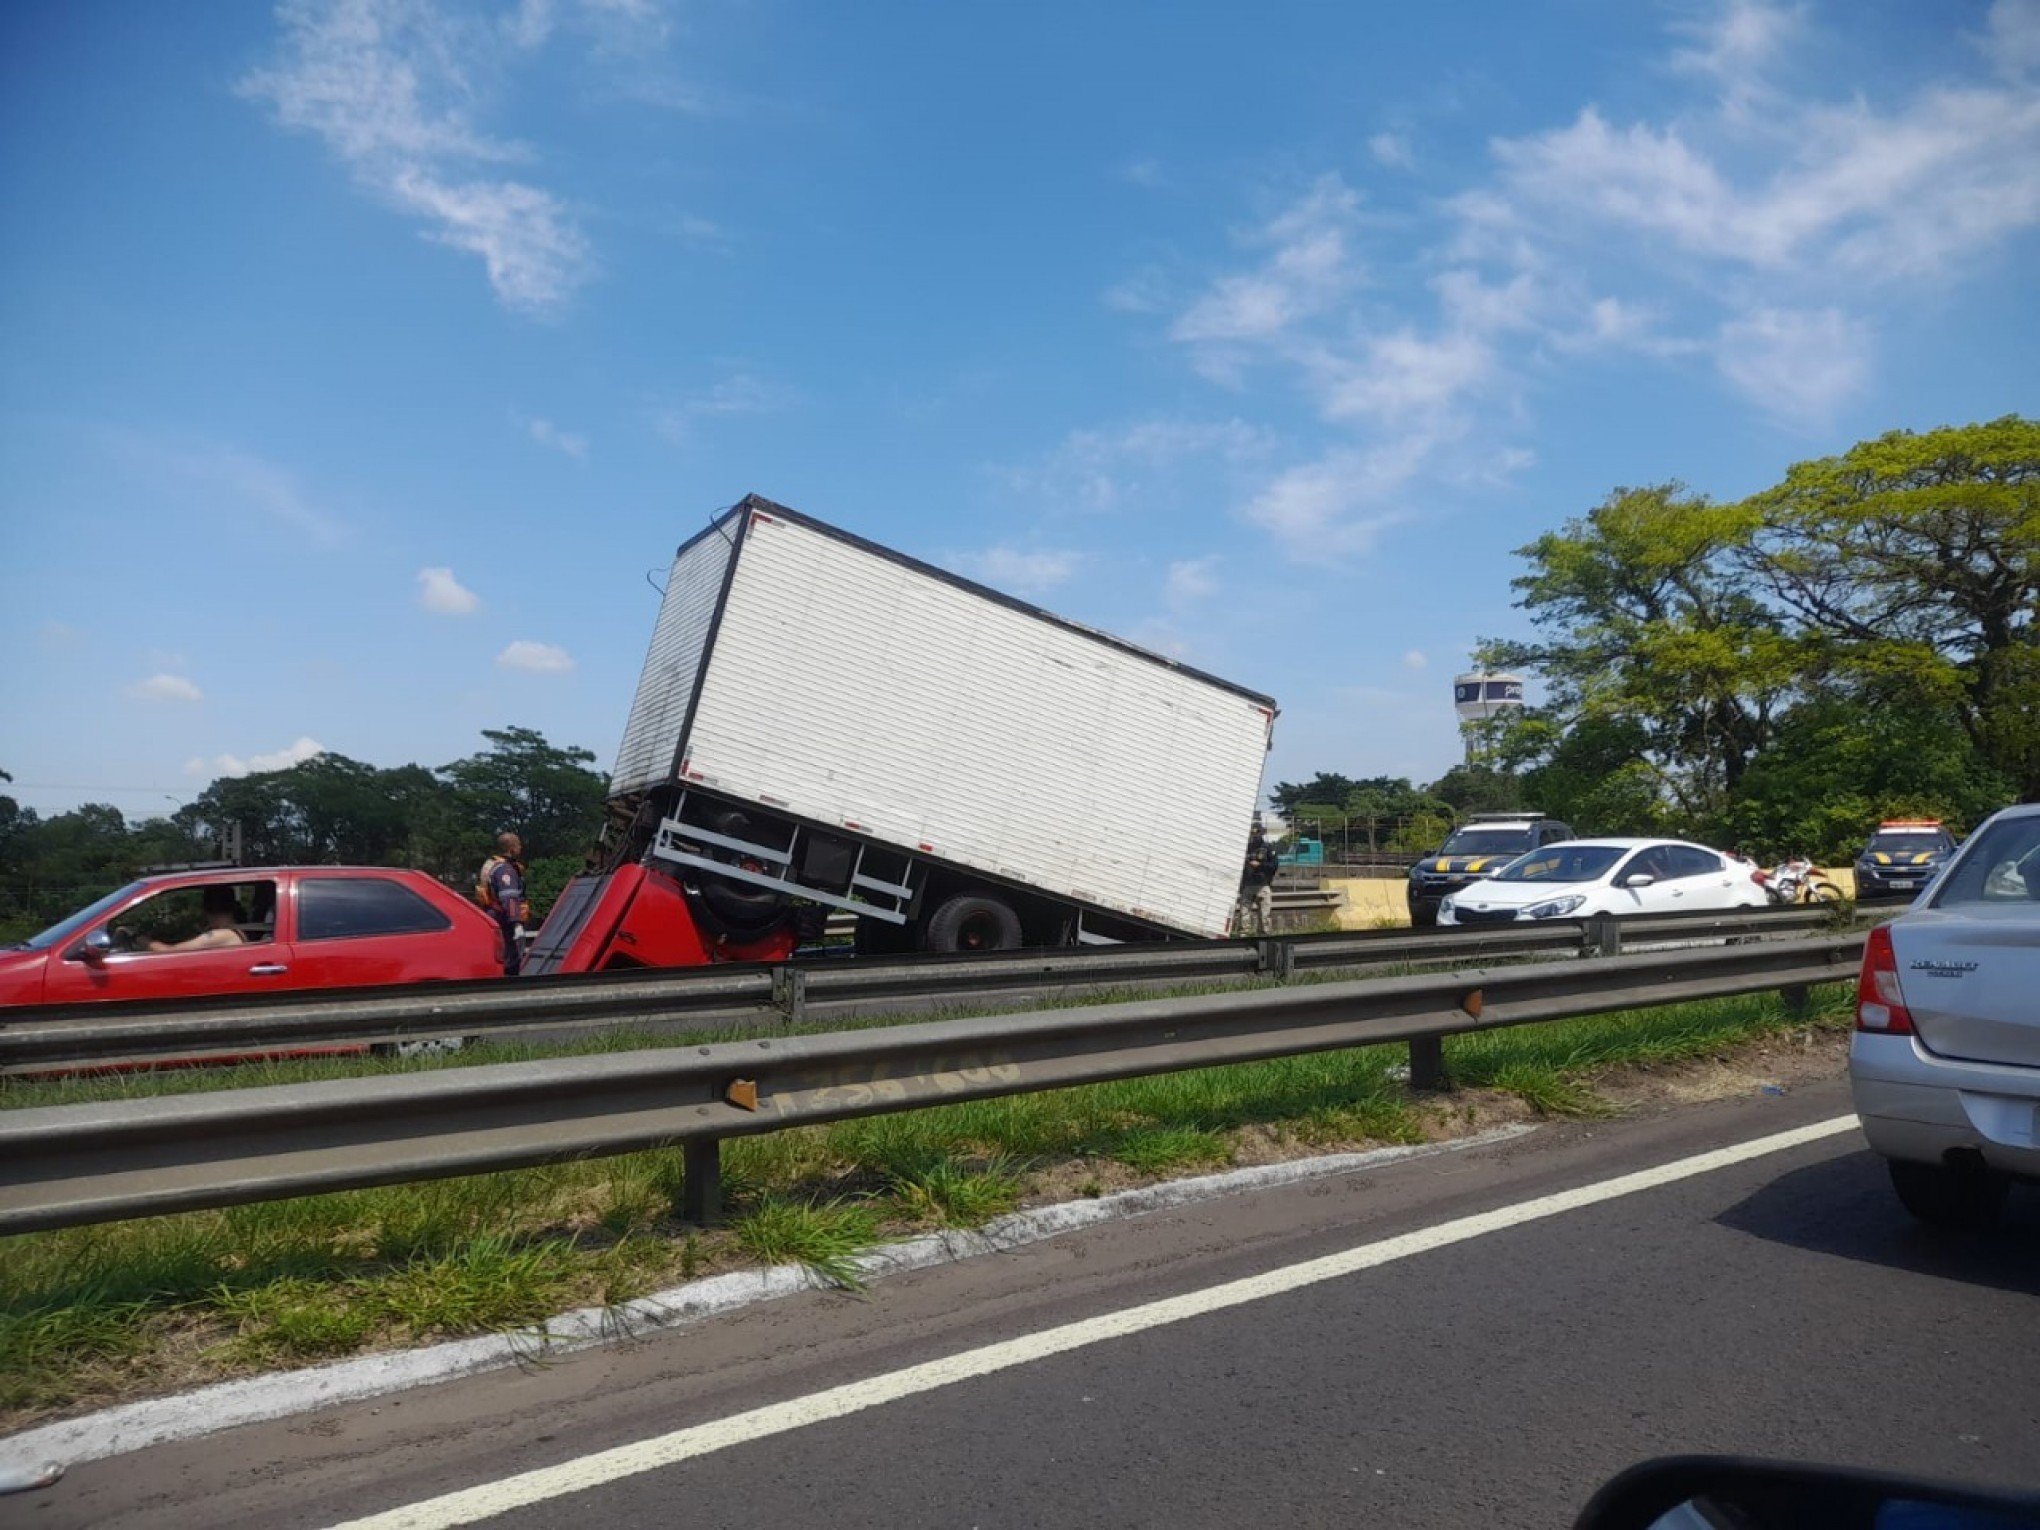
[1967, 1197]
[973, 922]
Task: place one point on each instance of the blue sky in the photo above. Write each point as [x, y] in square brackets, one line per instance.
[362, 358]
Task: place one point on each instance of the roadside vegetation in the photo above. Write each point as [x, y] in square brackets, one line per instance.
[97, 1314]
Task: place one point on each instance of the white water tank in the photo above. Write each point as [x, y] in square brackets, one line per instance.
[1478, 696]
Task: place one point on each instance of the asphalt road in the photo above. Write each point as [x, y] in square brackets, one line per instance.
[1782, 1307]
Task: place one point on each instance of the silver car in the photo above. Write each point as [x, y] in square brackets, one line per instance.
[1945, 1061]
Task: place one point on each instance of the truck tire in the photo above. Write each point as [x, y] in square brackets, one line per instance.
[973, 922]
[743, 906]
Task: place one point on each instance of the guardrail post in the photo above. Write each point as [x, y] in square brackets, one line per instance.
[1798, 999]
[1427, 1063]
[1603, 936]
[701, 1181]
[1278, 959]
[789, 993]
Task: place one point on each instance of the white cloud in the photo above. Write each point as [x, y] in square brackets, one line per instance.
[739, 393]
[1141, 172]
[1310, 266]
[255, 764]
[1416, 659]
[260, 486]
[59, 635]
[2012, 40]
[545, 433]
[1906, 193]
[1192, 580]
[1392, 150]
[166, 687]
[1015, 571]
[1338, 505]
[1399, 376]
[391, 87]
[1111, 467]
[443, 595]
[1800, 365]
[535, 658]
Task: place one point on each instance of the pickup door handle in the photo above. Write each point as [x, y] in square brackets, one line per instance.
[268, 969]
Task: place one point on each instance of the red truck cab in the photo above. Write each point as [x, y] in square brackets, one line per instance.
[638, 916]
[299, 927]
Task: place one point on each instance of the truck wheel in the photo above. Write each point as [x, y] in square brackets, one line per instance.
[973, 922]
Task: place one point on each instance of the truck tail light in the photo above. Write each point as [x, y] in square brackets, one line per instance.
[1880, 1006]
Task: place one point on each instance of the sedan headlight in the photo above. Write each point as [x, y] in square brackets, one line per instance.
[1555, 908]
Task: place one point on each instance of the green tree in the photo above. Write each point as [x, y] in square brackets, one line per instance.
[1913, 562]
[545, 793]
[1647, 617]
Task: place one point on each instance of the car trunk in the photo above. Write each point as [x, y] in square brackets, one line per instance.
[1971, 979]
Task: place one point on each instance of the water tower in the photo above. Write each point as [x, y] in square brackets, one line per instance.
[1479, 698]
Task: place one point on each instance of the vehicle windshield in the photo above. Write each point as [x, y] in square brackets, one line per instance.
[1563, 863]
[1487, 842]
[64, 929]
[1908, 841]
[2001, 867]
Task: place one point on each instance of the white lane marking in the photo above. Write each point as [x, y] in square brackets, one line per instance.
[490, 1499]
[257, 1399]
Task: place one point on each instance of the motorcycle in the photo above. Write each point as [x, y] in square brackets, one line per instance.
[1798, 881]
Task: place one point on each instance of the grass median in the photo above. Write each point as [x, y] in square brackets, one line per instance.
[94, 1315]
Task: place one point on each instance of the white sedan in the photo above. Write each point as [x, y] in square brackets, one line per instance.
[1578, 878]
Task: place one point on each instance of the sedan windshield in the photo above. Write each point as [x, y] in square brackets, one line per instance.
[1487, 842]
[1563, 863]
[1909, 841]
[64, 929]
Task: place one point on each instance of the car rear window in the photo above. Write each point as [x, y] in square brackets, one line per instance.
[333, 908]
[2001, 865]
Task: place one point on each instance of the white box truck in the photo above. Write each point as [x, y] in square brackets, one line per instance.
[824, 722]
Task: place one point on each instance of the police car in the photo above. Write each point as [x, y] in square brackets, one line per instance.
[1481, 846]
[1902, 857]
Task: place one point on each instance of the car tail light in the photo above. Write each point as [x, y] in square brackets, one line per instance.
[1759, 876]
[1880, 1006]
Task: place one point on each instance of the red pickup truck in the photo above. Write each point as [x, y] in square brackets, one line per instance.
[297, 927]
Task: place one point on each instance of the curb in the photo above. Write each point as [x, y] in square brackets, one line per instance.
[36, 1457]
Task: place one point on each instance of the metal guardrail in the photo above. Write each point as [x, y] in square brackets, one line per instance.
[69, 1165]
[53, 1036]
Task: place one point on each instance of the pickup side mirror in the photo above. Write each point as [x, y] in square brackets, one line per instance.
[1638, 879]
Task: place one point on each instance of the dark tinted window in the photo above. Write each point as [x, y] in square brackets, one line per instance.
[1686, 862]
[2002, 865]
[330, 908]
[1487, 842]
[1552, 833]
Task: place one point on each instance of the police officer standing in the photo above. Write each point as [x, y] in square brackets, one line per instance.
[500, 890]
[1257, 884]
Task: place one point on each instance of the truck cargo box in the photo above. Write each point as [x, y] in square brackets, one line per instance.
[835, 682]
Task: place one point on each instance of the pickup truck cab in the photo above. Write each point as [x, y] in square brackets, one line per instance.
[298, 927]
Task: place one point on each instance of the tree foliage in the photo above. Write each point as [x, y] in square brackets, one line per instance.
[326, 810]
[1856, 642]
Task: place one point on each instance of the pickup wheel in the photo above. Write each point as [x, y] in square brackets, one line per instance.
[973, 922]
